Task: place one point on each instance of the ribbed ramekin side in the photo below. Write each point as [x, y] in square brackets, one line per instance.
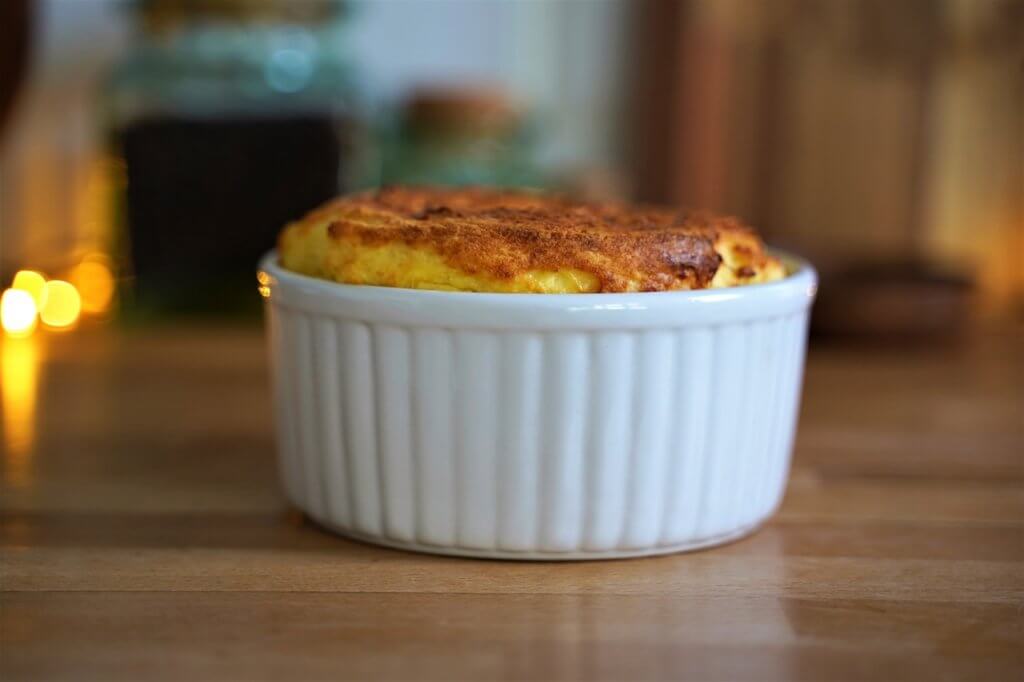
[750, 423]
[522, 409]
[786, 414]
[433, 435]
[279, 354]
[541, 442]
[393, 375]
[328, 408]
[478, 402]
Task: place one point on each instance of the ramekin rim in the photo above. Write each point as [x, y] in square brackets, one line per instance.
[804, 279]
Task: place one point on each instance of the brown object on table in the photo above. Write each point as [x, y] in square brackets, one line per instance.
[144, 535]
[897, 302]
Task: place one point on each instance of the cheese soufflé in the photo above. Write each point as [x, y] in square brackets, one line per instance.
[485, 240]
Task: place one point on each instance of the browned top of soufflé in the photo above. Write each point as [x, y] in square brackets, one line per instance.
[501, 235]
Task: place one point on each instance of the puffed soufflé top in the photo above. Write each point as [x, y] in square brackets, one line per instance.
[486, 240]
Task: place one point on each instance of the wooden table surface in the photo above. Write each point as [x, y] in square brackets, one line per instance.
[143, 535]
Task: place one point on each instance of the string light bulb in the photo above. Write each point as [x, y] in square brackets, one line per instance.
[62, 304]
[32, 282]
[94, 279]
[18, 313]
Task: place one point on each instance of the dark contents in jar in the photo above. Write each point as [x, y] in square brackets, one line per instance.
[206, 198]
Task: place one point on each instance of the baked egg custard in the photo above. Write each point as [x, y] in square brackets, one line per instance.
[484, 240]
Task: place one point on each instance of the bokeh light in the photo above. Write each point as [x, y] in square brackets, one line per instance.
[33, 282]
[19, 379]
[18, 313]
[94, 279]
[62, 304]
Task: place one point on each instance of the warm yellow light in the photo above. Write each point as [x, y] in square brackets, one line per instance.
[62, 304]
[32, 282]
[95, 283]
[264, 279]
[18, 313]
[19, 379]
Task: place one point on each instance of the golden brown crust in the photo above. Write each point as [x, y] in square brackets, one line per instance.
[504, 234]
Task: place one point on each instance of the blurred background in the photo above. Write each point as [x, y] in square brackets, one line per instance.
[151, 150]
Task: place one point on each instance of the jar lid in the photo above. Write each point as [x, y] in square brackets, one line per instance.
[161, 16]
[471, 110]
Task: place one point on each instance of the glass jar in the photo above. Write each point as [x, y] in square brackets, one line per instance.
[229, 118]
[460, 136]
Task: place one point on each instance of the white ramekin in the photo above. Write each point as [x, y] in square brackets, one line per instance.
[530, 426]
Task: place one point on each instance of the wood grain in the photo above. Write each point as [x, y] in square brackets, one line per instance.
[143, 536]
